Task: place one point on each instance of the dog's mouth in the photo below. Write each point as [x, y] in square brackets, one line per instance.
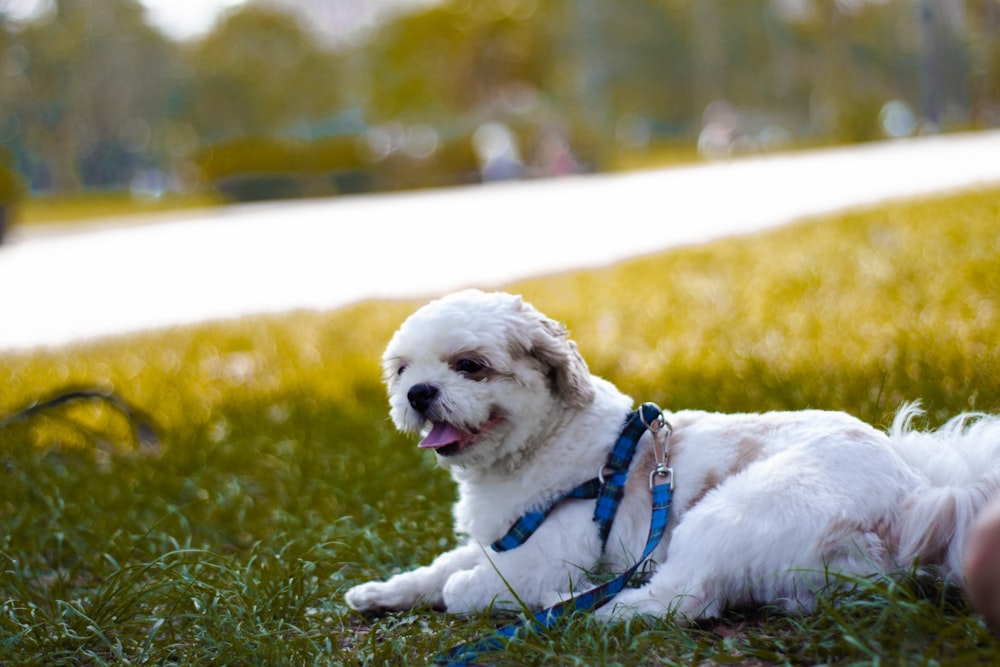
[448, 440]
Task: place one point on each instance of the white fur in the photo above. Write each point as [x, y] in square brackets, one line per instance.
[765, 504]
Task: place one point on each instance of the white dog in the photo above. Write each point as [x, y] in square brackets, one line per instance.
[765, 505]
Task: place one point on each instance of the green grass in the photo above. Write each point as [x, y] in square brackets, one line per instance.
[279, 481]
[94, 205]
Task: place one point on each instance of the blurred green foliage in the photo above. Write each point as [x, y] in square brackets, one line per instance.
[11, 192]
[268, 168]
[93, 204]
[93, 96]
[11, 185]
[258, 72]
[271, 168]
[84, 94]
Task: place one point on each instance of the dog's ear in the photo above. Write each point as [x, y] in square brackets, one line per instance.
[570, 376]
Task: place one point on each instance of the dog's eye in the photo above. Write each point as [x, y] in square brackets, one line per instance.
[400, 371]
[469, 366]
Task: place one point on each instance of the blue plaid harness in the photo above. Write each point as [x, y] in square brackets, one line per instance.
[608, 488]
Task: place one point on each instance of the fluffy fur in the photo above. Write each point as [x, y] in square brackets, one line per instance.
[764, 506]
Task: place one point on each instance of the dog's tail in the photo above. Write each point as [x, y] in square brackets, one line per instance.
[960, 469]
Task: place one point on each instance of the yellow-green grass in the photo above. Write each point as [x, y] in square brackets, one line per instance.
[88, 206]
[279, 481]
[655, 156]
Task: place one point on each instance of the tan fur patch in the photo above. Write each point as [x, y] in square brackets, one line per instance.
[711, 481]
[878, 539]
[940, 540]
[638, 479]
[934, 542]
[748, 450]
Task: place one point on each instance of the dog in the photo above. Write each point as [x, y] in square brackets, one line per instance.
[767, 508]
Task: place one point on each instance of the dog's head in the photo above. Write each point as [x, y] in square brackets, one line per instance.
[479, 373]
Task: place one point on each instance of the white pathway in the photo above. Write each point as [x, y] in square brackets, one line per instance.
[63, 287]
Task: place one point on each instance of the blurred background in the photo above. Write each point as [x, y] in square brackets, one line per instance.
[222, 100]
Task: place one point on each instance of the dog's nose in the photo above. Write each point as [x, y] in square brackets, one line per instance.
[421, 396]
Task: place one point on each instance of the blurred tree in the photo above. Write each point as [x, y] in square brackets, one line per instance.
[572, 65]
[650, 53]
[86, 89]
[259, 73]
[826, 69]
[11, 190]
[90, 94]
[456, 58]
[984, 47]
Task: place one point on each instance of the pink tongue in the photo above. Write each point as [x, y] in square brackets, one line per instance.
[442, 434]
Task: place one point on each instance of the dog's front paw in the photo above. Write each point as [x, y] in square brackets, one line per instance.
[366, 598]
[647, 602]
[478, 590]
[377, 597]
[630, 603]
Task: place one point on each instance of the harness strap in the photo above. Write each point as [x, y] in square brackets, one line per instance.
[461, 655]
[608, 487]
[619, 460]
[524, 527]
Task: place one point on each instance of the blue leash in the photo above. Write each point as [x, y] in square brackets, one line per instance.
[661, 484]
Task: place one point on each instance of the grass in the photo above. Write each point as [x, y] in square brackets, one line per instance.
[655, 156]
[88, 206]
[278, 482]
